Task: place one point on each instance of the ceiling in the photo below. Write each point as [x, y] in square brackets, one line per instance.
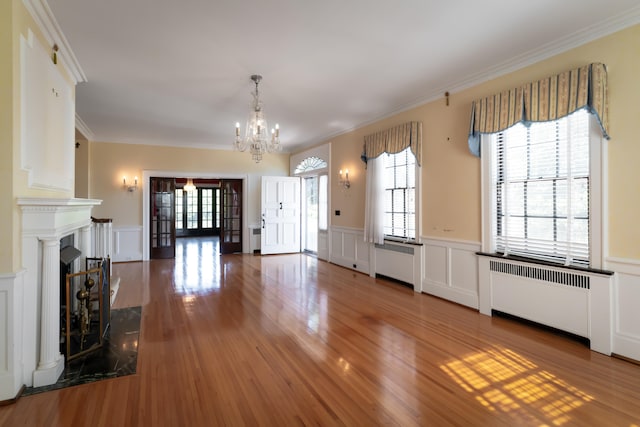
[177, 72]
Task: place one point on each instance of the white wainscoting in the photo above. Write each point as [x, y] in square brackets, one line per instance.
[127, 244]
[11, 303]
[451, 270]
[626, 299]
[349, 249]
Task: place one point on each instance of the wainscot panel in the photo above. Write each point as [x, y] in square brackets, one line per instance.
[11, 300]
[451, 270]
[626, 322]
[349, 249]
[127, 244]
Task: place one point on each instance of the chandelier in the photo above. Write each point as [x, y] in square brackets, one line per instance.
[256, 137]
[189, 186]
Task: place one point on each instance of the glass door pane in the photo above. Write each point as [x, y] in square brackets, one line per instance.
[231, 229]
[311, 214]
[162, 211]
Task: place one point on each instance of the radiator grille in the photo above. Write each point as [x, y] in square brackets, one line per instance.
[395, 248]
[561, 277]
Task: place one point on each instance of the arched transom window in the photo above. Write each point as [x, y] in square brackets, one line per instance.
[310, 164]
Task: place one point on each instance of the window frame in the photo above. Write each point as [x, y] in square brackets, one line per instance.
[416, 197]
[597, 197]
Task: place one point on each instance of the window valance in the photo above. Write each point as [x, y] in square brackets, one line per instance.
[543, 100]
[394, 140]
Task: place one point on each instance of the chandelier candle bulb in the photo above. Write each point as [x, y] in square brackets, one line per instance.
[344, 180]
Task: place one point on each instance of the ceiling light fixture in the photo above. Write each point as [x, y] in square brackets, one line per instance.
[256, 137]
[189, 186]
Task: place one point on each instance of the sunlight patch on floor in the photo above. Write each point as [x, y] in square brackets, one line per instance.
[505, 381]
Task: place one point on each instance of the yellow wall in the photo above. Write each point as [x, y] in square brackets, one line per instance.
[109, 162]
[451, 198]
[6, 137]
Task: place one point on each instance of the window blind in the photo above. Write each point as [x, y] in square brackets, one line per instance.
[541, 188]
[399, 197]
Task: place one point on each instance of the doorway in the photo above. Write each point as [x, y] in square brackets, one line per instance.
[238, 183]
[314, 193]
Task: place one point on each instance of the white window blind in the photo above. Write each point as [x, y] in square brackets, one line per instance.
[399, 197]
[540, 180]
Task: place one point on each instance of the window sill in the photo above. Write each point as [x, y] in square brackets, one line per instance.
[402, 241]
[546, 263]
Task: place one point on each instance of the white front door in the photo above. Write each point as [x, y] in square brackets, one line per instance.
[280, 215]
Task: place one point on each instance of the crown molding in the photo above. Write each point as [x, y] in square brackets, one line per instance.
[82, 127]
[614, 24]
[42, 14]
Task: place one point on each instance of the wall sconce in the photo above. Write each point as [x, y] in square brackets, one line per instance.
[130, 188]
[344, 180]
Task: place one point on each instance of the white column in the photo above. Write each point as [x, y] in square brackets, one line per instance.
[51, 363]
[85, 244]
[99, 240]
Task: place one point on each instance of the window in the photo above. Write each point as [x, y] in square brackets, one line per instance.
[399, 195]
[310, 164]
[179, 212]
[323, 206]
[542, 190]
[192, 208]
[198, 211]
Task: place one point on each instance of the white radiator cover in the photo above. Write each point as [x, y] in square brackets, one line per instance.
[400, 261]
[577, 302]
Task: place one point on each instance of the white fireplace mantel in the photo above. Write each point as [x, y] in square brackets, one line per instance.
[44, 222]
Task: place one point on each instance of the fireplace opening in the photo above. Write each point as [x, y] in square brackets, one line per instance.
[84, 301]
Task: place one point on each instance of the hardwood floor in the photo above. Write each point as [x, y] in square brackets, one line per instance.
[289, 340]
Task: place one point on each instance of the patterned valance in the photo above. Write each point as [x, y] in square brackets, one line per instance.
[543, 100]
[394, 140]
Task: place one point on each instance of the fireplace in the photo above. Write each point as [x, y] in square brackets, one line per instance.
[44, 223]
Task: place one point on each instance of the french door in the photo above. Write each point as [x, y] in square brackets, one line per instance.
[231, 221]
[162, 221]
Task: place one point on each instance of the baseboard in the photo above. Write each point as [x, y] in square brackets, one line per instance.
[14, 399]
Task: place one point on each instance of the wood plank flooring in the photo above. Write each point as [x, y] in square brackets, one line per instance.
[289, 340]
